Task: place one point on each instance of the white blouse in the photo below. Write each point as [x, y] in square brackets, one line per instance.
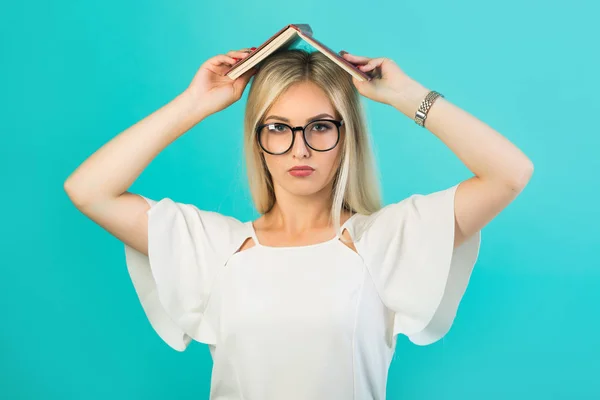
[316, 322]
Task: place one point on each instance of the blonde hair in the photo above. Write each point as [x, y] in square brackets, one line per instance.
[356, 184]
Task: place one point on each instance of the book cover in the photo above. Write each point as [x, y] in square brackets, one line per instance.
[287, 37]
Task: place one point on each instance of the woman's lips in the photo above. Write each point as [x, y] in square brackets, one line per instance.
[301, 171]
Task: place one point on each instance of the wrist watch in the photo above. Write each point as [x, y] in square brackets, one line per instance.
[421, 113]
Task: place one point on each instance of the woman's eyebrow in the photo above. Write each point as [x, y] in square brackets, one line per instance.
[310, 119]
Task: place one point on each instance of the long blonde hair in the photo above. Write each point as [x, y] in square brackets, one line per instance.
[356, 184]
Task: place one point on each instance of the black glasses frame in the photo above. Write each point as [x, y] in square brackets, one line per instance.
[337, 123]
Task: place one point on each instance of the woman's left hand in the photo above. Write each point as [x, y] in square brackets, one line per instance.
[389, 83]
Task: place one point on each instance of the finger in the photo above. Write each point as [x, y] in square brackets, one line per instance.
[239, 54]
[222, 59]
[355, 59]
[372, 64]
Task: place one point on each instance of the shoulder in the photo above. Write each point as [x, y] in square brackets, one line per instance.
[378, 221]
[211, 232]
[191, 213]
[409, 212]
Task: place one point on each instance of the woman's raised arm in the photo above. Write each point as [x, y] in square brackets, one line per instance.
[98, 187]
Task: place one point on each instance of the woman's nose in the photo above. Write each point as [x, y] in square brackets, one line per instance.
[300, 148]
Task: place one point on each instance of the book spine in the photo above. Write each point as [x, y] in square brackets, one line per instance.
[305, 29]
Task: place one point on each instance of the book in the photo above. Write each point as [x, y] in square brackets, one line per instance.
[287, 37]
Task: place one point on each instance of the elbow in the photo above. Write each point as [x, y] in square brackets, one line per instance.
[522, 177]
[68, 189]
[72, 193]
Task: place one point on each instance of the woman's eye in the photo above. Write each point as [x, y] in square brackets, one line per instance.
[320, 127]
[277, 127]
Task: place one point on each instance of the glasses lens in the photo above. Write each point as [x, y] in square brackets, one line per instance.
[276, 138]
[320, 135]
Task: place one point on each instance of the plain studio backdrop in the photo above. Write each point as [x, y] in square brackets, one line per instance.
[75, 74]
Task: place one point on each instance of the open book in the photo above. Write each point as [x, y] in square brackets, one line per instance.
[285, 38]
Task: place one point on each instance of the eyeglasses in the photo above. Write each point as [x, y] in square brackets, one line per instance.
[278, 138]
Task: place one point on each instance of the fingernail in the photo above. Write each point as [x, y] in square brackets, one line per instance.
[342, 52]
[252, 48]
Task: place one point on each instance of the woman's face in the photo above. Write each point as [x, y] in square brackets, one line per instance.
[297, 106]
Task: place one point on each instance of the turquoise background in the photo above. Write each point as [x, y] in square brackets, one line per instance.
[75, 74]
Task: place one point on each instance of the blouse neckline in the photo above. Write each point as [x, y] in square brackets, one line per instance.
[257, 243]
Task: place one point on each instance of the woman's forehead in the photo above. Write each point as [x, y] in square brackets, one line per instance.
[302, 102]
[275, 117]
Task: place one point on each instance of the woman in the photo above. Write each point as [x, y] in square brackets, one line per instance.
[307, 301]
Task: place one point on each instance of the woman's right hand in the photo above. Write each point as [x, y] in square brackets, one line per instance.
[211, 89]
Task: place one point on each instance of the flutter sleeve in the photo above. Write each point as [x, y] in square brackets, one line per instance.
[187, 248]
[408, 248]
